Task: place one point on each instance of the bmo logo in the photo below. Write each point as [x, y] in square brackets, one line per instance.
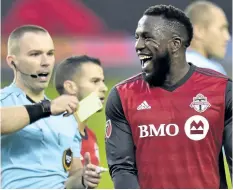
[163, 130]
[195, 128]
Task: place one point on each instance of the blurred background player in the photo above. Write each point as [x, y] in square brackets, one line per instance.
[211, 35]
[80, 76]
[165, 126]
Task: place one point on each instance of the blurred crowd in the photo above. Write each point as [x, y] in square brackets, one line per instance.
[102, 30]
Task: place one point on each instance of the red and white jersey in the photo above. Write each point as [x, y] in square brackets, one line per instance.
[89, 144]
[170, 137]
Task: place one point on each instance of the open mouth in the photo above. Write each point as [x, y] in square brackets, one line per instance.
[43, 76]
[145, 60]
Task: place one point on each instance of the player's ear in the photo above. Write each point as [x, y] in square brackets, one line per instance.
[70, 87]
[176, 43]
[10, 59]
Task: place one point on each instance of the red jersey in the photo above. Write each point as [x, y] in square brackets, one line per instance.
[169, 137]
[89, 144]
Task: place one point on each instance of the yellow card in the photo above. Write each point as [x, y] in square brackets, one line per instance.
[88, 106]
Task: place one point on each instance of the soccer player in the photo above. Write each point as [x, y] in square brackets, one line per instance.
[165, 126]
[210, 37]
[80, 76]
[40, 147]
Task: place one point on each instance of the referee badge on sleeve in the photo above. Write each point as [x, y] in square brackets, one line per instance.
[108, 130]
[67, 159]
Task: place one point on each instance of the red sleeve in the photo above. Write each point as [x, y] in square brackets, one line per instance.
[91, 134]
[120, 149]
[91, 145]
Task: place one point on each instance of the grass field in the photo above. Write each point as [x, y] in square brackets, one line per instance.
[97, 123]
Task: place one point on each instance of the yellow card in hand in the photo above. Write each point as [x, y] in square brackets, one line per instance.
[88, 106]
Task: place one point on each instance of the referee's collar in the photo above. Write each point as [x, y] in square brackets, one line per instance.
[14, 88]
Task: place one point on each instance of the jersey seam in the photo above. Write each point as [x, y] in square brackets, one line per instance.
[208, 72]
[7, 96]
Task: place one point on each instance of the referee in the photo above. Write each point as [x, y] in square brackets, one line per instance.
[40, 140]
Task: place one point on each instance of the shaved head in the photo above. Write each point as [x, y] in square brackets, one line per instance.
[209, 22]
[18, 33]
[201, 12]
[31, 50]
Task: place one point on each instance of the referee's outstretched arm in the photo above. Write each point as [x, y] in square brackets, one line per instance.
[15, 118]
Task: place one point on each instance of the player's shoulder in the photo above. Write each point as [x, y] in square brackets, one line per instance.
[127, 88]
[133, 82]
[211, 74]
[132, 79]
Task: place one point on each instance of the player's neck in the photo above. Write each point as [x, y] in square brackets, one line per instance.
[198, 48]
[36, 96]
[178, 70]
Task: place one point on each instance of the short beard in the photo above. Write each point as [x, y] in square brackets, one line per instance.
[161, 68]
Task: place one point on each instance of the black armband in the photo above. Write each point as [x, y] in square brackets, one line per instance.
[38, 111]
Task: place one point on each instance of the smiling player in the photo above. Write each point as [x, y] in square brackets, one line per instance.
[166, 126]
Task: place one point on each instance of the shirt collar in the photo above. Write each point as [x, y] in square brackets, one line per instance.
[14, 88]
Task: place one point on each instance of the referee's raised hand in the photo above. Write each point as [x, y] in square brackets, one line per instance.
[66, 104]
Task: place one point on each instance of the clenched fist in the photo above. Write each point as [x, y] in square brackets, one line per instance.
[66, 104]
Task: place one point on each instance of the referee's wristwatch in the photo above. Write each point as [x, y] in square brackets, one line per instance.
[46, 106]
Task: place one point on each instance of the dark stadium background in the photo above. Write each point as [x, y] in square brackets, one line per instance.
[101, 28]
